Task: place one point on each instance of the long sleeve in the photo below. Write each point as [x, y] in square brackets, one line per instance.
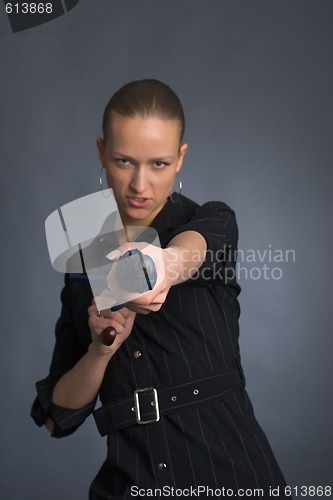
[216, 222]
[72, 341]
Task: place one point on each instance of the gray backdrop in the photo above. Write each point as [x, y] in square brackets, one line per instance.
[255, 78]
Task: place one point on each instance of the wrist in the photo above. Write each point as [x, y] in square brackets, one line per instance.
[100, 353]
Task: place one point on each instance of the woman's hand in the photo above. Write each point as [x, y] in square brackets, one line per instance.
[151, 301]
[121, 321]
[174, 265]
[144, 302]
[80, 385]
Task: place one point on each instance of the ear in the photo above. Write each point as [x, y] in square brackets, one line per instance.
[100, 148]
[182, 152]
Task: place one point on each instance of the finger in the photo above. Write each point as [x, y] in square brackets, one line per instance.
[118, 316]
[109, 334]
[114, 255]
[143, 303]
[135, 308]
[124, 312]
[93, 311]
[98, 322]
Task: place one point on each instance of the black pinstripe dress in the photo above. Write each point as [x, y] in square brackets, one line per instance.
[206, 441]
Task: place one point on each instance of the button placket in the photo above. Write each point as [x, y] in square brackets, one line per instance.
[160, 458]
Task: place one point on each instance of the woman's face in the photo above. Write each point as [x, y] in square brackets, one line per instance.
[141, 157]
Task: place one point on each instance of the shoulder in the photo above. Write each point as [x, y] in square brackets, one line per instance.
[206, 211]
[212, 218]
[215, 220]
[212, 207]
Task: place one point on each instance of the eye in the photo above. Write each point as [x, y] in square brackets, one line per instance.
[122, 162]
[160, 164]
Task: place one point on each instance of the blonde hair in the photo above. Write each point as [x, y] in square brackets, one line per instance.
[145, 98]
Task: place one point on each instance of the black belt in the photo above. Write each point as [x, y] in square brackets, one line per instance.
[148, 404]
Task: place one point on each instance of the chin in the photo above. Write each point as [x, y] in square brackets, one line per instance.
[133, 218]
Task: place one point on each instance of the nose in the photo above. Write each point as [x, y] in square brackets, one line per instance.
[139, 180]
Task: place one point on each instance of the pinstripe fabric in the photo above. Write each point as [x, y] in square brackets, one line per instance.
[194, 335]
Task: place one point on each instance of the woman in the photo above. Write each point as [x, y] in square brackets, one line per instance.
[176, 370]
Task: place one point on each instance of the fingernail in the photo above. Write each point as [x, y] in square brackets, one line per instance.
[114, 255]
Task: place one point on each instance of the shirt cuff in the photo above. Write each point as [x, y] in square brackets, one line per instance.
[66, 420]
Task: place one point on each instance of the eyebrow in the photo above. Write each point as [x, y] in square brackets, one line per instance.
[157, 158]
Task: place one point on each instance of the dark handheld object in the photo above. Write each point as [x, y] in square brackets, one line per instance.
[108, 335]
[136, 273]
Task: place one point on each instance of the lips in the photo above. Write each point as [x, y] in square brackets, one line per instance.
[138, 202]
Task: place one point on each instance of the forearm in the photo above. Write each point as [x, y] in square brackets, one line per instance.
[80, 385]
[185, 254]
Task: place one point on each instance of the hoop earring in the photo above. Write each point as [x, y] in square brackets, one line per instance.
[101, 184]
[180, 189]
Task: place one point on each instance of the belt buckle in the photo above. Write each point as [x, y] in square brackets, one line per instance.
[154, 403]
